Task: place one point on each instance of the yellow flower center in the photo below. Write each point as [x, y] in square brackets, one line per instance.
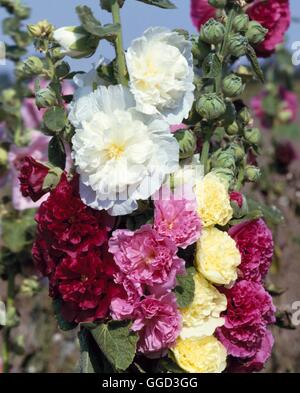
[115, 151]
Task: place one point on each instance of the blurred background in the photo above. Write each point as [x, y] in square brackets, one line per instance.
[39, 346]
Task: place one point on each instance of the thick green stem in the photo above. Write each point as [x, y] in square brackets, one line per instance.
[121, 63]
[205, 152]
[6, 332]
[241, 177]
[223, 48]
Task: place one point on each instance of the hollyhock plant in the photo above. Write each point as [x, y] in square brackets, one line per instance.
[158, 323]
[275, 16]
[255, 243]
[178, 220]
[32, 175]
[249, 311]
[154, 271]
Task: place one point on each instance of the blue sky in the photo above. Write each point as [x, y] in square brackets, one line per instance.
[136, 17]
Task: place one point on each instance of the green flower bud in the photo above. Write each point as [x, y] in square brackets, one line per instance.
[218, 3]
[237, 45]
[212, 32]
[210, 106]
[244, 116]
[232, 129]
[237, 151]
[42, 29]
[187, 143]
[22, 12]
[252, 135]
[30, 286]
[45, 98]
[76, 42]
[3, 157]
[252, 173]
[30, 67]
[223, 159]
[256, 32]
[226, 175]
[240, 23]
[233, 85]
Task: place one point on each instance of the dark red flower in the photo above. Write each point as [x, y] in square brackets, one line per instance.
[67, 223]
[86, 286]
[285, 154]
[71, 250]
[32, 175]
[275, 16]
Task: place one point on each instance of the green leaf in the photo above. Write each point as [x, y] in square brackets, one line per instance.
[56, 152]
[160, 3]
[93, 26]
[185, 288]
[63, 324]
[251, 55]
[117, 342]
[55, 119]
[15, 231]
[91, 359]
[272, 214]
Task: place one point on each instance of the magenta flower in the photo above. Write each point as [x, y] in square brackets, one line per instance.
[201, 11]
[274, 15]
[177, 220]
[158, 323]
[255, 243]
[256, 362]
[249, 311]
[145, 257]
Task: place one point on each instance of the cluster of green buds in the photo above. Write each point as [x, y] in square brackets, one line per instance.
[223, 39]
